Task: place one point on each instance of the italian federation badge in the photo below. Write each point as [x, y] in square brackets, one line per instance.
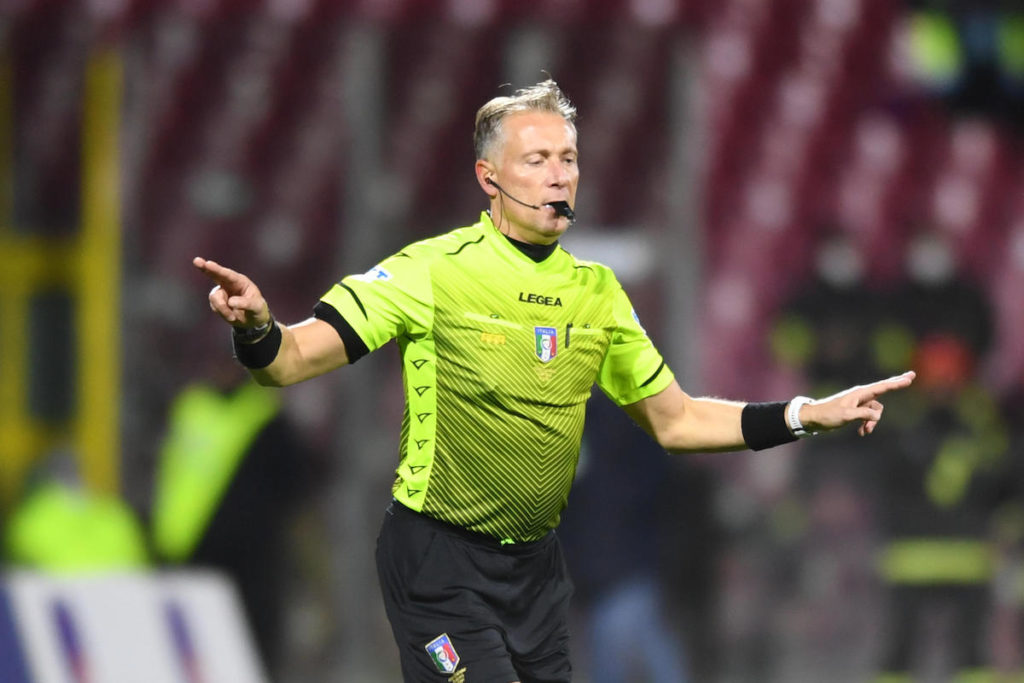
[443, 653]
[547, 342]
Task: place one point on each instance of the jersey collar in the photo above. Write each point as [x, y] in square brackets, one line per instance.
[506, 248]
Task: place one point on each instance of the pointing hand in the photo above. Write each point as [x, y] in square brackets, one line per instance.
[856, 403]
[235, 298]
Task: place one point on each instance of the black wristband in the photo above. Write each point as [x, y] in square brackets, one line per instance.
[251, 335]
[764, 425]
[258, 354]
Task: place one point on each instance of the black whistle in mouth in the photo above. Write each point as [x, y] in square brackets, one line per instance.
[563, 209]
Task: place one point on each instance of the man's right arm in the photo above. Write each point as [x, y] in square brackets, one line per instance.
[308, 349]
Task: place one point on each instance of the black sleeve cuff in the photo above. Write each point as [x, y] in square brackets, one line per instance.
[355, 348]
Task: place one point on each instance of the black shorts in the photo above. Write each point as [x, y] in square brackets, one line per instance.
[466, 609]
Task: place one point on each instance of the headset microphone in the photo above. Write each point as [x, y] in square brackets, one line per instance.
[561, 208]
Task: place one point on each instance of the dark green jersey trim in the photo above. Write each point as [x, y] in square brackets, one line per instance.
[355, 297]
[466, 244]
[656, 373]
[355, 347]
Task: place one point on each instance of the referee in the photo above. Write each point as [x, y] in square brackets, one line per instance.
[502, 335]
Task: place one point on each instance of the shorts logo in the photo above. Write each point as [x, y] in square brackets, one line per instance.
[547, 342]
[443, 653]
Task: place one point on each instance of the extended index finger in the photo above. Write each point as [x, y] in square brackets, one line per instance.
[222, 275]
[883, 386]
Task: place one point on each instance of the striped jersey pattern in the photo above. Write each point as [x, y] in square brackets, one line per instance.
[499, 356]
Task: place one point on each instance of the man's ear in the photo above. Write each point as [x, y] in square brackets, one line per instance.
[484, 175]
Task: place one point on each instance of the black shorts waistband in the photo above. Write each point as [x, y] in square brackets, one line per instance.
[397, 509]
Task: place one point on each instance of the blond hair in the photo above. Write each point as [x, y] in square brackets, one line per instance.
[544, 96]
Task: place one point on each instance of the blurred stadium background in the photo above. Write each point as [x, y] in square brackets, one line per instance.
[722, 143]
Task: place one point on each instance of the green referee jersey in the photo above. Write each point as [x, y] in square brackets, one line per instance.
[499, 355]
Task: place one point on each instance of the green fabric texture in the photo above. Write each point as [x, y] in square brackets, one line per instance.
[499, 354]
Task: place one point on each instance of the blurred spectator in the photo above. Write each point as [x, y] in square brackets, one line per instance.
[936, 55]
[942, 478]
[941, 474]
[938, 477]
[614, 532]
[970, 53]
[826, 336]
[824, 332]
[233, 474]
[937, 300]
[60, 525]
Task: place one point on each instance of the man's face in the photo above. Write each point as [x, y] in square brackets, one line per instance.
[536, 163]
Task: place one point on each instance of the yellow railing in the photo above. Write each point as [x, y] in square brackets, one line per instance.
[99, 304]
[87, 266]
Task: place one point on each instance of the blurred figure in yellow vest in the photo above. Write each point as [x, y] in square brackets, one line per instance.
[59, 525]
[231, 474]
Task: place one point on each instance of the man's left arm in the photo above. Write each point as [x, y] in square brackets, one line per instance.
[681, 423]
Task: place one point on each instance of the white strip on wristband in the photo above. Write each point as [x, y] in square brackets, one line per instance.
[793, 417]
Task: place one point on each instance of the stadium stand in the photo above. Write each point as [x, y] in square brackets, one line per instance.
[236, 125]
